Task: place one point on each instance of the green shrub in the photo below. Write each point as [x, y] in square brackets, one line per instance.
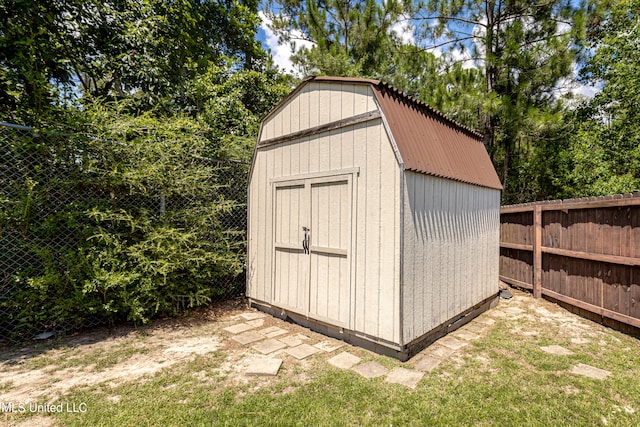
[133, 222]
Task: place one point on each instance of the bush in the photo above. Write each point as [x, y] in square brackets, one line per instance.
[132, 222]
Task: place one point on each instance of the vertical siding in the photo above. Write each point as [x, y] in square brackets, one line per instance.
[375, 254]
[451, 250]
[290, 267]
[331, 206]
[388, 251]
[317, 104]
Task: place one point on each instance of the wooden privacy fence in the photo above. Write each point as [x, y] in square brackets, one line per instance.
[582, 252]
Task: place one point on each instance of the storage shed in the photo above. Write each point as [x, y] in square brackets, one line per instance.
[372, 217]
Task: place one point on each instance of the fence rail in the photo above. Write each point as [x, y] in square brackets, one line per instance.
[581, 252]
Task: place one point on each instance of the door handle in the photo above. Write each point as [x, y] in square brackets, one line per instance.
[305, 241]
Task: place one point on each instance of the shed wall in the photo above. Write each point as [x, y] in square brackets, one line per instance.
[375, 299]
[317, 104]
[451, 250]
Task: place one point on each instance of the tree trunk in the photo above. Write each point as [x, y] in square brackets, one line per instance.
[489, 123]
[489, 133]
[505, 169]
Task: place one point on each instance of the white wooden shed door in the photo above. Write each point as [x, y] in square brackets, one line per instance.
[313, 234]
[291, 269]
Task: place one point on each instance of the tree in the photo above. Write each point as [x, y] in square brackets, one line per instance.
[500, 64]
[349, 37]
[34, 39]
[121, 211]
[158, 46]
[524, 49]
[142, 49]
[604, 155]
[363, 38]
[450, 88]
[230, 104]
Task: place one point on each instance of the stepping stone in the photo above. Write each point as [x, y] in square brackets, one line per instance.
[240, 327]
[590, 371]
[451, 342]
[293, 340]
[405, 377]
[427, 364]
[441, 352]
[248, 337]
[269, 346]
[485, 321]
[263, 367]
[253, 315]
[302, 351]
[476, 328]
[370, 370]
[273, 331]
[329, 346]
[466, 335]
[255, 323]
[344, 360]
[557, 350]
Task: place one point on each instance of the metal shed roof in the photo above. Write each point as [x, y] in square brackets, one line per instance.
[428, 141]
[433, 144]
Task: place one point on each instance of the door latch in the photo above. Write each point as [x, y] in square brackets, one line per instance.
[305, 242]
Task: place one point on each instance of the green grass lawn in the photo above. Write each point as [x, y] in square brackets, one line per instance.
[501, 379]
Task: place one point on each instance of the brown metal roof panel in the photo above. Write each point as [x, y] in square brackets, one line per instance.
[420, 140]
[432, 144]
[462, 153]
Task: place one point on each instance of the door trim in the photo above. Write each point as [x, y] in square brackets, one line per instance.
[291, 180]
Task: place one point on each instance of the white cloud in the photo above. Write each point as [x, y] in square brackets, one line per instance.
[571, 85]
[281, 52]
[452, 51]
[456, 54]
[462, 56]
[404, 30]
[585, 90]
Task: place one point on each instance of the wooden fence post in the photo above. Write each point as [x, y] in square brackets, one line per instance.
[537, 251]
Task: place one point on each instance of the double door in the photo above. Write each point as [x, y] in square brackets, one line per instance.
[312, 271]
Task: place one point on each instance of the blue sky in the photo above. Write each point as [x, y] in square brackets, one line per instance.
[281, 52]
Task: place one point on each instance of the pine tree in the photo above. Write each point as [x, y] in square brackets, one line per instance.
[525, 48]
[348, 37]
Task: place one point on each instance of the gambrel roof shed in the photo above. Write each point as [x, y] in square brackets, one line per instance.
[372, 217]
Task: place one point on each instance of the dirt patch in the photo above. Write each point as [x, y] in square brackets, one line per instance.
[37, 421]
[532, 316]
[46, 372]
[52, 380]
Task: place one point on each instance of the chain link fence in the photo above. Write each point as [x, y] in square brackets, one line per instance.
[70, 233]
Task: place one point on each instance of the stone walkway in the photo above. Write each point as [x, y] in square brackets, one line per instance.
[272, 341]
[515, 309]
